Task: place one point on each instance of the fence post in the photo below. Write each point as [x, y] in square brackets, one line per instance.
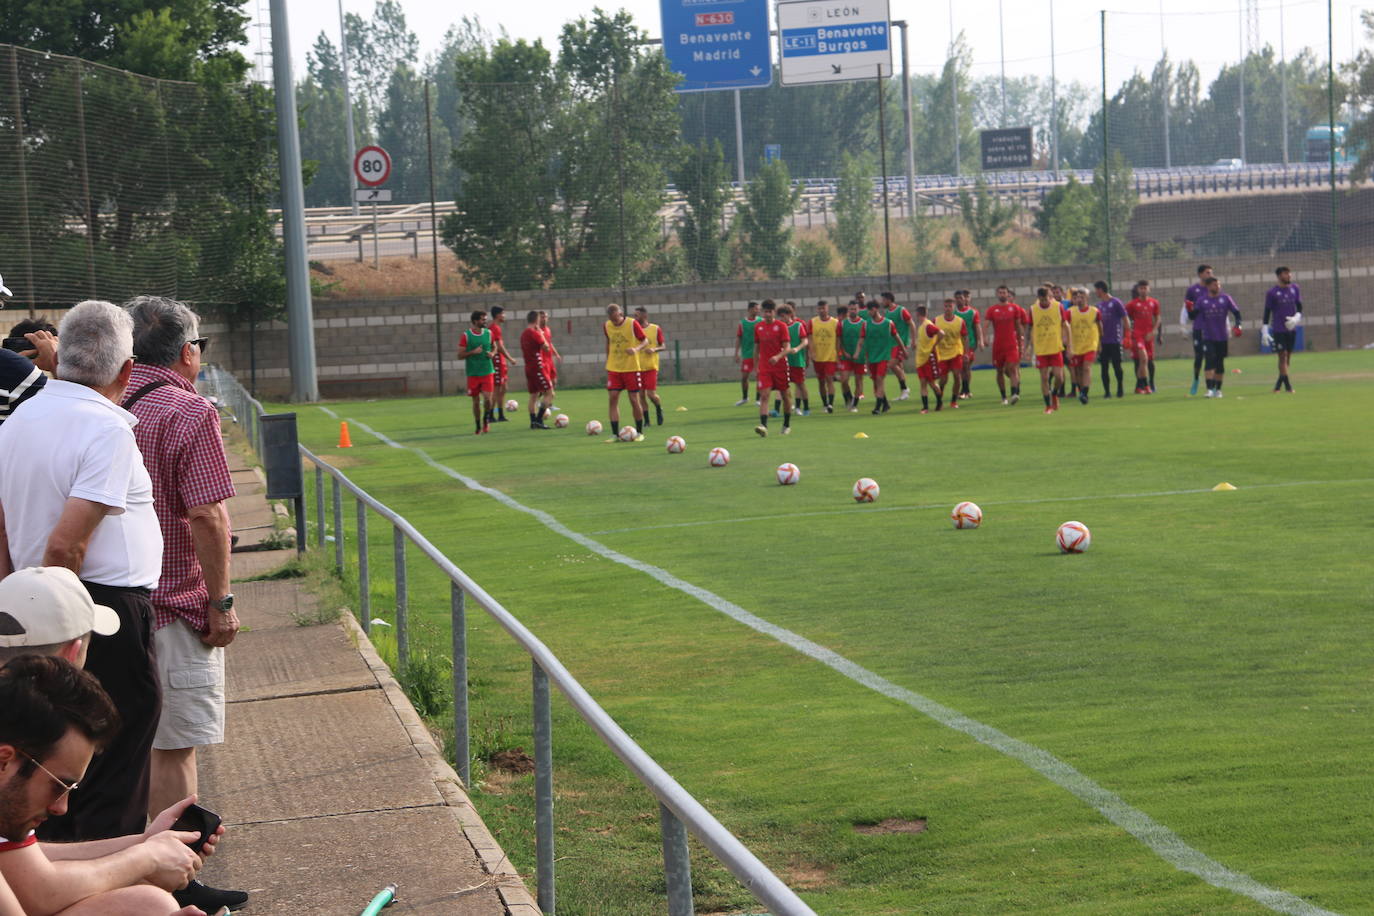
[364, 579]
[543, 791]
[338, 526]
[462, 751]
[677, 863]
[319, 506]
[402, 636]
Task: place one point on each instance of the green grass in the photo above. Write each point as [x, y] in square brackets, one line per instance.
[1208, 660]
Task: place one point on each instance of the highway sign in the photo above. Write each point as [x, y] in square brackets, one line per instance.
[772, 152]
[717, 44]
[372, 166]
[824, 41]
[372, 195]
[1008, 148]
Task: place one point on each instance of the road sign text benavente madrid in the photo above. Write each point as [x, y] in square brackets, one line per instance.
[717, 44]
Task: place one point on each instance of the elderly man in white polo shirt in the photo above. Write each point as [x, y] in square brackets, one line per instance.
[75, 493]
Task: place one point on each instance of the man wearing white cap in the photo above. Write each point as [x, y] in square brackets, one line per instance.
[45, 610]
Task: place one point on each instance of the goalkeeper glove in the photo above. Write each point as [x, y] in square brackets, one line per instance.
[1236, 331]
[1292, 321]
[1265, 337]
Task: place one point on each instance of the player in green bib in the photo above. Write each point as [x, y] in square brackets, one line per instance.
[905, 326]
[799, 340]
[475, 347]
[851, 354]
[744, 352]
[973, 336]
[880, 342]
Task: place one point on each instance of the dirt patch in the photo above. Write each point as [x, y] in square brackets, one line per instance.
[893, 825]
[512, 760]
[808, 876]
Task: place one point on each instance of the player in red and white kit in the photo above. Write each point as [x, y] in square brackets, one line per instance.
[772, 346]
[534, 349]
[555, 358]
[1008, 321]
[501, 360]
[1146, 332]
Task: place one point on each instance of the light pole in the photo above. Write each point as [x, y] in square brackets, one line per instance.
[348, 105]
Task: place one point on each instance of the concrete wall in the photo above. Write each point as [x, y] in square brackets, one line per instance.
[388, 347]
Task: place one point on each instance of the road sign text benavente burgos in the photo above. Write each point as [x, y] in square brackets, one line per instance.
[828, 41]
[717, 44]
[372, 166]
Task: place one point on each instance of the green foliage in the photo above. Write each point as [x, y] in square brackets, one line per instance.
[1113, 195]
[922, 228]
[701, 176]
[769, 201]
[401, 132]
[987, 221]
[812, 258]
[427, 679]
[1167, 250]
[666, 267]
[1361, 134]
[854, 214]
[935, 152]
[1066, 221]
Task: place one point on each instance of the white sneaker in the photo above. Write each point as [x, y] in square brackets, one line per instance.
[1015, 398]
[787, 430]
[905, 395]
[1218, 393]
[853, 410]
[1211, 393]
[1004, 402]
[741, 402]
[762, 431]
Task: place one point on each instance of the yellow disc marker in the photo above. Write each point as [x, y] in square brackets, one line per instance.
[1222, 487]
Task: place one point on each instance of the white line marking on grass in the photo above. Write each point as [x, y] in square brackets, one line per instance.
[1002, 502]
[1163, 841]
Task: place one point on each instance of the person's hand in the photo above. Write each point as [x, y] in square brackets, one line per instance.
[196, 911]
[224, 625]
[168, 817]
[174, 864]
[207, 848]
[44, 352]
[632, 350]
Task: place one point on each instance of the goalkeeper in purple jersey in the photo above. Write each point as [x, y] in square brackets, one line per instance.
[1195, 292]
[1282, 317]
[1209, 313]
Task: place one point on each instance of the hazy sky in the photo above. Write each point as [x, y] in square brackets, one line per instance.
[1207, 31]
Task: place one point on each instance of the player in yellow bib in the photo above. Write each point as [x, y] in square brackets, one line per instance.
[654, 344]
[824, 353]
[625, 339]
[1085, 336]
[1050, 337]
[927, 336]
[949, 354]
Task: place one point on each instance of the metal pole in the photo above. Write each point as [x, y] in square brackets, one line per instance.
[739, 143]
[338, 525]
[1002, 44]
[17, 97]
[301, 524]
[300, 328]
[348, 105]
[1331, 156]
[402, 612]
[677, 863]
[88, 211]
[376, 255]
[1054, 103]
[620, 197]
[364, 572]
[1106, 162]
[1241, 82]
[907, 119]
[1283, 86]
[882, 146]
[954, 87]
[543, 791]
[319, 506]
[462, 751]
[434, 244]
[1163, 54]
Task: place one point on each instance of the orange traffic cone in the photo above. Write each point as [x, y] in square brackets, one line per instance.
[344, 440]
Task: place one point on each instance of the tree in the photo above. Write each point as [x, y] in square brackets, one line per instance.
[1066, 221]
[987, 220]
[323, 128]
[935, 154]
[702, 178]
[401, 132]
[769, 201]
[1361, 134]
[375, 49]
[854, 216]
[922, 238]
[1121, 200]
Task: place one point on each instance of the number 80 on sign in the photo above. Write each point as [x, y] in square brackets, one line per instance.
[372, 166]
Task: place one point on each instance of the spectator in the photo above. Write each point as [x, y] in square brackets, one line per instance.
[75, 493]
[20, 380]
[53, 717]
[193, 610]
[47, 611]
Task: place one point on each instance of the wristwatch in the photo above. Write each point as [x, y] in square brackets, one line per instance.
[225, 604]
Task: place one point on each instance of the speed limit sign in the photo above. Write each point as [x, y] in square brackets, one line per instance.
[372, 166]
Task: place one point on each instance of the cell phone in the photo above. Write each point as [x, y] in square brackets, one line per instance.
[18, 344]
[196, 819]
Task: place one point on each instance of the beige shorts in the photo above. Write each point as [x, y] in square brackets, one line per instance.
[192, 678]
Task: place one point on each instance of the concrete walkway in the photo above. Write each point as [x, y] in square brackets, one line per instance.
[328, 782]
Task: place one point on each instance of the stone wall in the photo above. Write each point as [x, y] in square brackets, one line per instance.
[388, 347]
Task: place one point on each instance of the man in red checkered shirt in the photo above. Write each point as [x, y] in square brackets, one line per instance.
[178, 433]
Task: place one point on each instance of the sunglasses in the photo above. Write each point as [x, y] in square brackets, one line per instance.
[202, 343]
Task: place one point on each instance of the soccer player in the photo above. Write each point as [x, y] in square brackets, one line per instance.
[851, 356]
[822, 331]
[799, 340]
[881, 343]
[974, 337]
[1050, 338]
[1209, 313]
[1007, 320]
[744, 352]
[1283, 308]
[548, 336]
[535, 350]
[1085, 336]
[902, 321]
[949, 354]
[625, 339]
[1185, 318]
[1144, 314]
[1112, 317]
[927, 335]
[501, 360]
[475, 347]
[773, 346]
[654, 344]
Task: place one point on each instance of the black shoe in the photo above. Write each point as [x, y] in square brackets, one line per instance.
[209, 899]
[502, 420]
[535, 424]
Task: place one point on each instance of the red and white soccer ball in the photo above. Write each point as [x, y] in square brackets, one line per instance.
[719, 457]
[593, 427]
[1073, 537]
[676, 445]
[865, 490]
[966, 515]
[628, 434]
[788, 474]
[512, 405]
[562, 421]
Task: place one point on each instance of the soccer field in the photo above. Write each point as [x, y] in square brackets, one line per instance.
[1177, 721]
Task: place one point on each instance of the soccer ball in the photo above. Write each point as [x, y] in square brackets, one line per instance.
[562, 421]
[966, 515]
[512, 405]
[628, 434]
[719, 457]
[865, 490]
[788, 474]
[593, 427]
[676, 445]
[1073, 537]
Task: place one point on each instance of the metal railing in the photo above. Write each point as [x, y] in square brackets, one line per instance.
[679, 812]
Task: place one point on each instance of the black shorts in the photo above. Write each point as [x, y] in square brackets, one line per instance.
[1215, 353]
[1285, 341]
[1111, 353]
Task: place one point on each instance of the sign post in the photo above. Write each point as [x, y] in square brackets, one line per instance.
[1007, 148]
[717, 44]
[825, 42]
[372, 167]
